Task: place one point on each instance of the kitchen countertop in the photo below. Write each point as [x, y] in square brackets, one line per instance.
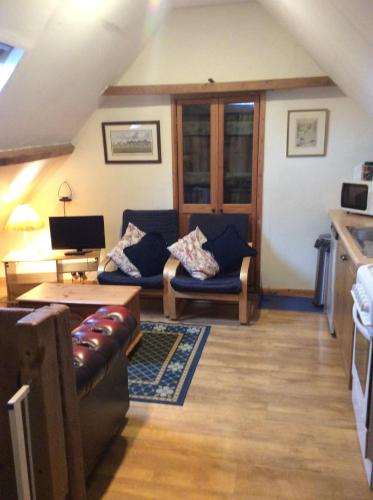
[341, 220]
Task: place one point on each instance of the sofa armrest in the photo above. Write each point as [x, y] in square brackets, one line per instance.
[106, 265]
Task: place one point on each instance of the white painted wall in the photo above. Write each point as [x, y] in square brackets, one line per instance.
[298, 192]
[108, 189]
[239, 42]
[228, 43]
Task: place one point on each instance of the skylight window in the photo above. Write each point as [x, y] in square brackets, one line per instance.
[9, 58]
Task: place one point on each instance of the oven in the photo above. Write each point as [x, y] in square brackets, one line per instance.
[362, 364]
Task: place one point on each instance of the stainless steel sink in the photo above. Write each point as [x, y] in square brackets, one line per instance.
[364, 238]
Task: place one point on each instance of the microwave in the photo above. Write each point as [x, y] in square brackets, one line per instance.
[357, 197]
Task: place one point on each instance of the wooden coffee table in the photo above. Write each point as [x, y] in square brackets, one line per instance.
[84, 300]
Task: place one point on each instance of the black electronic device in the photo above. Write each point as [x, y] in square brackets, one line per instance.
[78, 233]
[367, 171]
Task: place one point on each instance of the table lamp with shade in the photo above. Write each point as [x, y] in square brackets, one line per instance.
[24, 218]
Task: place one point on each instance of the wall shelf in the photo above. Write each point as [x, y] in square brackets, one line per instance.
[225, 87]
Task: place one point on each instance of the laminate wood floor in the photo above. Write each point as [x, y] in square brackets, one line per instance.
[267, 416]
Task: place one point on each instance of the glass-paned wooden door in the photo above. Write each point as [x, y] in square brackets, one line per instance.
[197, 155]
[238, 131]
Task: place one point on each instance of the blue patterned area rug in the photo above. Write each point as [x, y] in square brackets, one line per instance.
[161, 367]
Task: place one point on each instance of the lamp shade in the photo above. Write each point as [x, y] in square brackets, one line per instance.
[23, 218]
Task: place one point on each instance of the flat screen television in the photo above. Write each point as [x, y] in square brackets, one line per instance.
[77, 234]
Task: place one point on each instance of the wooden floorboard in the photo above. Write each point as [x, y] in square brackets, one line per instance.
[267, 416]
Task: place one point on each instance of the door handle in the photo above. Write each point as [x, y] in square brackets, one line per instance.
[362, 329]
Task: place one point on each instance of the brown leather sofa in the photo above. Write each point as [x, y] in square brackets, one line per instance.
[78, 395]
[99, 346]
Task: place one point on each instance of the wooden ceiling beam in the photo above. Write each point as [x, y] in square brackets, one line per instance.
[33, 153]
[225, 87]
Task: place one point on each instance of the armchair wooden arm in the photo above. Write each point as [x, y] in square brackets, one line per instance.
[169, 271]
[244, 271]
[243, 298]
[171, 267]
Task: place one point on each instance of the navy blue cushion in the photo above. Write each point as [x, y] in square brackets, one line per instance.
[119, 278]
[149, 255]
[165, 222]
[222, 283]
[229, 249]
[213, 224]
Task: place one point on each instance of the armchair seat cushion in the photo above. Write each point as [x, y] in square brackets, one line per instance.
[221, 283]
[119, 278]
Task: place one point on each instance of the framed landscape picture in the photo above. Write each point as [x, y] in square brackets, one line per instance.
[132, 142]
[307, 132]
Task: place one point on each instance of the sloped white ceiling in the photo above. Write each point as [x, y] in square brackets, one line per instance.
[21, 22]
[194, 3]
[338, 35]
[74, 49]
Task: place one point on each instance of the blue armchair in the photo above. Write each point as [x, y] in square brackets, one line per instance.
[225, 287]
[164, 222]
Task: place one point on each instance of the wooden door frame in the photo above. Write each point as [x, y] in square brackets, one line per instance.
[258, 206]
[259, 186]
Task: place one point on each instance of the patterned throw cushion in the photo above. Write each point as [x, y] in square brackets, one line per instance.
[199, 263]
[132, 236]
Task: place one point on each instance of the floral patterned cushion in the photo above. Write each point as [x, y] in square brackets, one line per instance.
[132, 236]
[199, 263]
